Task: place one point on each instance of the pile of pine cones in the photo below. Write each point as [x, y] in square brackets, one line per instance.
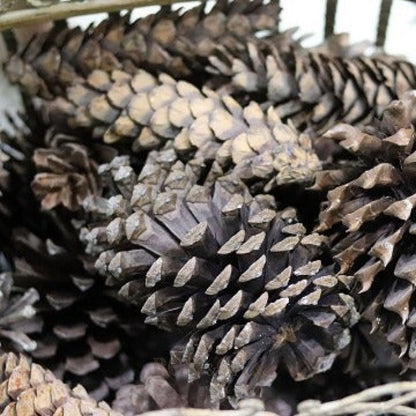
[194, 214]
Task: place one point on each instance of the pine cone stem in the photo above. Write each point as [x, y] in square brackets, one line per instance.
[24, 17]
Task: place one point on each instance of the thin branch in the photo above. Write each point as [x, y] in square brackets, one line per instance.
[24, 17]
[248, 407]
[359, 403]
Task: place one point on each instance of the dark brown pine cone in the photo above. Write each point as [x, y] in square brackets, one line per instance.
[169, 41]
[29, 389]
[371, 207]
[246, 283]
[89, 335]
[316, 90]
[147, 112]
[158, 389]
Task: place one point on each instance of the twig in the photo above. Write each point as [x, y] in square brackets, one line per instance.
[249, 407]
[18, 18]
[359, 403]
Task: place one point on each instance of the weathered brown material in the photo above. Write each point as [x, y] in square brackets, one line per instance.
[88, 334]
[372, 203]
[66, 174]
[243, 279]
[169, 41]
[147, 112]
[17, 315]
[316, 89]
[29, 389]
[158, 389]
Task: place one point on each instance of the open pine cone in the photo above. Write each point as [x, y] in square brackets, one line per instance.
[68, 176]
[18, 318]
[89, 334]
[246, 283]
[160, 390]
[371, 206]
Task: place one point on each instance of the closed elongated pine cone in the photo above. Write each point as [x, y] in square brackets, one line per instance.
[29, 389]
[317, 90]
[243, 281]
[174, 42]
[147, 112]
[371, 204]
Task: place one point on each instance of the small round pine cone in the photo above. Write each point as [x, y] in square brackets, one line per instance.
[67, 170]
[371, 205]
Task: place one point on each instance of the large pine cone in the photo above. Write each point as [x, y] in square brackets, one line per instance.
[316, 90]
[147, 112]
[169, 41]
[249, 286]
[372, 207]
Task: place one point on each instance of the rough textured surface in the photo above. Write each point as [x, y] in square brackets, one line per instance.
[371, 204]
[244, 280]
[29, 389]
[86, 333]
[316, 90]
[67, 174]
[158, 389]
[169, 41]
[147, 112]
[17, 314]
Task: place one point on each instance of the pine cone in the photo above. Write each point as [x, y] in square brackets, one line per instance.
[371, 206]
[17, 315]
[148, 112]
[67, 174]
[29, 389]
[89, 335]
[244, 280]
[159, 390]
[168, 41]
[315, 89]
